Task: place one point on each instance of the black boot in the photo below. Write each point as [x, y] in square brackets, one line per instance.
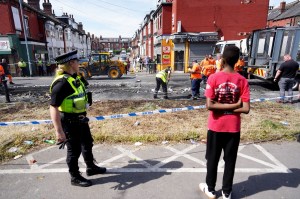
[78, 180]
[94, 170]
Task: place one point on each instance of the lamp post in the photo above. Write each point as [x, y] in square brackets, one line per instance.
[25, 35]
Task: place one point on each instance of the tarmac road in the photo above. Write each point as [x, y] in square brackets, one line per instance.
[264, 171]
[169, 171]
[137, 86]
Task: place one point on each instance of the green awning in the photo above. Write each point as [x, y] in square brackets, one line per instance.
[42, 51]
[5, 52]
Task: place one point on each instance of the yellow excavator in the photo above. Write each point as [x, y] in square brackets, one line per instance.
[101, 64]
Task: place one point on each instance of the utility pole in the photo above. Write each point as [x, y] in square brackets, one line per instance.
[25, 35]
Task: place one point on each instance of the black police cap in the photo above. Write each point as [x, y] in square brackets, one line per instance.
[66, 57]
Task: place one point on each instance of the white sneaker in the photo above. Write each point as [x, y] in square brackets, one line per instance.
[224, 197]
[203, 187]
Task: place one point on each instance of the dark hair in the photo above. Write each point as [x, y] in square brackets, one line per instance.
[231, 55]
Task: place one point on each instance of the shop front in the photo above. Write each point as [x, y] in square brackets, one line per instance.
[8, 51]
[200, 45]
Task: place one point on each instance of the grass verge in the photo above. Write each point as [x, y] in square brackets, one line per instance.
[266, 121]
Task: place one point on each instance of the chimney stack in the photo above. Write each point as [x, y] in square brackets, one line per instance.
[282, 6]
[47, 7]
[34, 3]
[80, 27]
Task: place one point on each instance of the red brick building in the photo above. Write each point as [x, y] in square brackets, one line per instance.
[12, 31]
[228, 18]
[285, 15]
[191, 28]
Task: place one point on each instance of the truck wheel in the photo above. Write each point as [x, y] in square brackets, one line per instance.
[83, 73]
[296, 85]
[114, 73]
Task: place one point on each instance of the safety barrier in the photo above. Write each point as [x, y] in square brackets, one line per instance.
[117, 116]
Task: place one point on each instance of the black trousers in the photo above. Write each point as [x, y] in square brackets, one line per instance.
[216, 142]
[24, 73]
[80, 141]
[160, 82]
[196, 87]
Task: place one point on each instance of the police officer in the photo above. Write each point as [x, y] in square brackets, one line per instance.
[22, 65]
[162, 78]
[68, 113]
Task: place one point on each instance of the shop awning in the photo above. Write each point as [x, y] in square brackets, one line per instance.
[5, 52]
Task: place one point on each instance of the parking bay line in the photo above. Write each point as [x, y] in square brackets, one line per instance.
[277, 168]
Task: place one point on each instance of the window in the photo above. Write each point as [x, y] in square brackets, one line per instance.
[95, 58]
[160, 24]
[218, 49]
[287, 41]
[261, 44]
[103, 58]
[16, 17]
[48, 30]
[298, 53]
[26, 19]
[68, 35]
[271, 43]
[60, 34]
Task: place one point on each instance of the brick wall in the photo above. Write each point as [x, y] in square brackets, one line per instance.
[227, 17]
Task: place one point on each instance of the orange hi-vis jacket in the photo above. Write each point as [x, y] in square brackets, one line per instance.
[212, 61]
[1, 70]
[208, 70]
[197, 73]
[239, 65]
[204, 62]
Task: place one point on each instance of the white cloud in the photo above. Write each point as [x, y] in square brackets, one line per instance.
[109, 19]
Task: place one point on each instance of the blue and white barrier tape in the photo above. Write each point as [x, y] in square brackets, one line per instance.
[100, 118]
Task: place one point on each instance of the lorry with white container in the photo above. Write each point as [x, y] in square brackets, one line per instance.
[264, 50]
[267, 48]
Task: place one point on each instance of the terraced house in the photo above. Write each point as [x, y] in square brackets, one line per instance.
[47, 35]
[179, 31]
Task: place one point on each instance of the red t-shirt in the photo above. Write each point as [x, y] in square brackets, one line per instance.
[226, 88]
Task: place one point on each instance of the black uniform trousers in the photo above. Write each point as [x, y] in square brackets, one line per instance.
[160, 82]
[79, 141]
[216, 142]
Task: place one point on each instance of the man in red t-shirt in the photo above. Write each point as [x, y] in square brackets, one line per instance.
[227, 96]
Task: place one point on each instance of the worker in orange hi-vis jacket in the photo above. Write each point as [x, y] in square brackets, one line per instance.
[211, 60]
[1, 70]
[208, 67]
[203, 64]
[6, 69]
[239, 66]
[195, 72]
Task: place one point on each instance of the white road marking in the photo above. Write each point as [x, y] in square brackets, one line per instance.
[272, 158]
[132, 156]
[146, 170]
[275, 166]
[51, 163]
[177, 154]
[30, 159]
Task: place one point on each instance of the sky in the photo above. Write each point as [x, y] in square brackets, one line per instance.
[110, 18]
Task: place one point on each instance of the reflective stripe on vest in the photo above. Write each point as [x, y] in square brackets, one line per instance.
[162, 75]
[76, 102]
